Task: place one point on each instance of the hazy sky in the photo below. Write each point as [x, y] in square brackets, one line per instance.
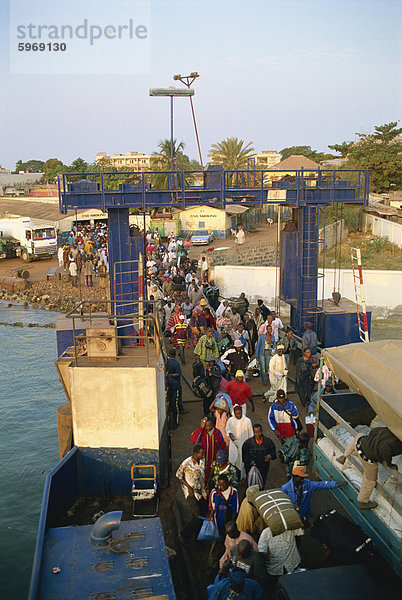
[275, 73]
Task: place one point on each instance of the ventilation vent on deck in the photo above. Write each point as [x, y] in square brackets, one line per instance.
[102, 567]
[141, 592]
[134, 535]
[137, 563]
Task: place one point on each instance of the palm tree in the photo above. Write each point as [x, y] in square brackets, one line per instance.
[231, 153]
[162, 162]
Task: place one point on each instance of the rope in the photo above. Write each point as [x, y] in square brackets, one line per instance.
[277, 269]
[336, 243]
[340, 250]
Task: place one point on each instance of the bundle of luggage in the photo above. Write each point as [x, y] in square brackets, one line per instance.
[239, 304]
[201, 388]
[277, 511]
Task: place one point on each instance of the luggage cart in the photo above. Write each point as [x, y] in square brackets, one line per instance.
[145, 489]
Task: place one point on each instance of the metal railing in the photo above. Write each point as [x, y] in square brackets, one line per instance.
[144, 330]
[188, 188]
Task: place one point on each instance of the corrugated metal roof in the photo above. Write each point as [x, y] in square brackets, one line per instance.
[28, 208]
[236, 209]
[47, 210]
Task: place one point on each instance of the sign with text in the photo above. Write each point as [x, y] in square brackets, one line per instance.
[75, 37]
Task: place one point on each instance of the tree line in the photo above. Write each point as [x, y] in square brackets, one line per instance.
[380, 151]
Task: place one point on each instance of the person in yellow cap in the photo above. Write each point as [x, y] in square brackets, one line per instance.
[300, 488]
[239, 392]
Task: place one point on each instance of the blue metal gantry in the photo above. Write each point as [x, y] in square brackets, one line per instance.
[306, 192]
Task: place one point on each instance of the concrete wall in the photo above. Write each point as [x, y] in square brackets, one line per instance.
[334, 233]
[263, 255]
[383, 228]
[115, 407]
[160, 396]
[382, 288]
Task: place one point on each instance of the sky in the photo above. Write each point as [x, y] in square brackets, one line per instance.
[274, 73]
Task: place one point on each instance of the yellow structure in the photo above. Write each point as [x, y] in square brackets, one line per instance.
[134, 161]
[266, 159]
[215, 220]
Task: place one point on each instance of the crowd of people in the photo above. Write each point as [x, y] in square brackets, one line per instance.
[85, 253]
[228, 346]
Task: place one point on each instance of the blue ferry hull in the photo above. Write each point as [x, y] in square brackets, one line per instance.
[88, 571]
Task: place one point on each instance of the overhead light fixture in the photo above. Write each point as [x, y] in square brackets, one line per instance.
[171, 91]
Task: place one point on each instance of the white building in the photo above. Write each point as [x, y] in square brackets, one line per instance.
[266, 159]
[134, 161]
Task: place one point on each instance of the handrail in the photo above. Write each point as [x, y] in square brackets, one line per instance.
[142, 338]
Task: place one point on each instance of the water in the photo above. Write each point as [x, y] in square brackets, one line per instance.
[30, 394]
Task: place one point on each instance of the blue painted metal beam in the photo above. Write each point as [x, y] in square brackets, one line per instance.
[306, 191]
[81, 191]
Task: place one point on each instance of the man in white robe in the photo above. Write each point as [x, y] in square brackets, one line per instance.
[277, 373]
[238, 429]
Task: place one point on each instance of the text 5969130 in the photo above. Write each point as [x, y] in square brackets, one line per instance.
[42, 47]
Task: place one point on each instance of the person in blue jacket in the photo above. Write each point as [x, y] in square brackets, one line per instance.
[236, 585]
[299, 490]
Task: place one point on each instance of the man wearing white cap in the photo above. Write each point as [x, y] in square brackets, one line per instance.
[277, 373]
[239, 392]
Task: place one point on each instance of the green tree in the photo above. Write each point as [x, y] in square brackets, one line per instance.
[162, 162]
[305, 151]
[231, 153]
[51, 168]
[79, 165]
[19, 166]
[105, 164]
[34, 166]
[31, 166]
[343, 148]
[381, 152]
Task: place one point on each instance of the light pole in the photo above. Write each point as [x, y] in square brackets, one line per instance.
[188, 80]
[171, 92]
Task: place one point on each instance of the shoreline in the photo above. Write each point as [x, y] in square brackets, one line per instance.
[55, 296]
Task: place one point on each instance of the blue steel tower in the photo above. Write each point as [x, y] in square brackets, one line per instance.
[307, 194]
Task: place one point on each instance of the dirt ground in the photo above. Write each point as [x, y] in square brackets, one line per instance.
[36, 268]
[263, 235]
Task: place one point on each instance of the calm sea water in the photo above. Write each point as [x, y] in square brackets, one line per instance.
[30, 394]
